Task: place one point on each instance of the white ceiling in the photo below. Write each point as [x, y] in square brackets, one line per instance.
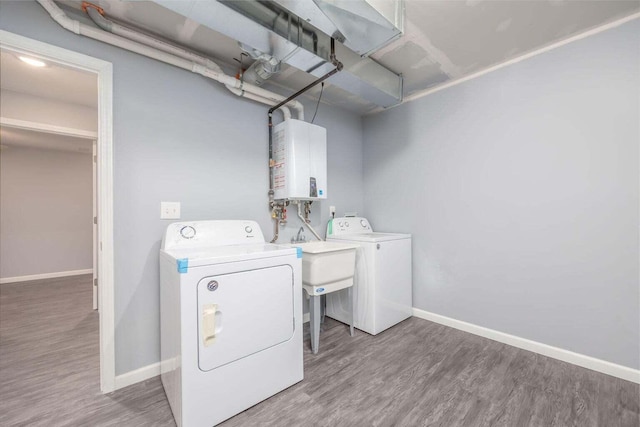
[443, 39]
[54, 81]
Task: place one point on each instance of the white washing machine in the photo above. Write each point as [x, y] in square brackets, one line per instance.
[231, 319]
[382, 287]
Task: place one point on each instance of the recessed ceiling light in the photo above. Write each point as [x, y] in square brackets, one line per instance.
[32, 61]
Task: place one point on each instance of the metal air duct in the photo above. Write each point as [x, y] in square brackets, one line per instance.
[268, 27]
[363, 26]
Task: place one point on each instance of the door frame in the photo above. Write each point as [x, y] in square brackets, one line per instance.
[104, 194]
[94, 222]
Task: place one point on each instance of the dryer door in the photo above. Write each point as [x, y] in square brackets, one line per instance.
[240, 314]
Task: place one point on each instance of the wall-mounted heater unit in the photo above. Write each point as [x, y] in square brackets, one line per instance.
[300, 161]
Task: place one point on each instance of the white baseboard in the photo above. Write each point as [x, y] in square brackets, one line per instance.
[306, 317]
[45, 276]
[578, 359]
[137, 375]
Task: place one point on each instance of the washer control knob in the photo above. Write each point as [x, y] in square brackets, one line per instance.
[188, 232]
[340, 223]
[248, 229]
[346, 224]
[363, 223]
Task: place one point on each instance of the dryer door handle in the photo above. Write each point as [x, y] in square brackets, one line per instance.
[209, 324]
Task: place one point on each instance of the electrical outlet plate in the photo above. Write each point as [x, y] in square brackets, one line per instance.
[169, 210]
[332, 210]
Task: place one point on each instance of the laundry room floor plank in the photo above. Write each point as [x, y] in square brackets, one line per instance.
[49, 362]
[420, 373]
[416, 373]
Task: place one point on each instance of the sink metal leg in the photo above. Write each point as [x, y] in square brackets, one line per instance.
[314, 322]
[351, 331]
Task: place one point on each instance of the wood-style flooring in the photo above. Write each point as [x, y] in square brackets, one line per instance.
[417, 373]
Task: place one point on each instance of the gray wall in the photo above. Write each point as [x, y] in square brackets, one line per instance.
[180, 137]
[521, 190]
[45, 211]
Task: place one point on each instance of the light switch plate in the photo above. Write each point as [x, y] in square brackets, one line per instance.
[169, 210]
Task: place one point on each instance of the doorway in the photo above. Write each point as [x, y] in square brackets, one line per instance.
[47, 195]
[63, 133]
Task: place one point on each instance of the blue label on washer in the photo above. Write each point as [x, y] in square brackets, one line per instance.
[319, 290]
[320, 192]
[183, 264]
[299, 252]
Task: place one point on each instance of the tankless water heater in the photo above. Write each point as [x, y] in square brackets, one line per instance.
[299, 161]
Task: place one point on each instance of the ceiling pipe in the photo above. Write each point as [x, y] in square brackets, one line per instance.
[285, 110]
[97, 16]
[170, 56]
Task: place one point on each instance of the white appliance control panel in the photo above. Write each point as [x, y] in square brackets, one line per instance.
[196, 234]
[348, 225]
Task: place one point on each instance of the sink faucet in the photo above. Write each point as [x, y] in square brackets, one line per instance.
[300, 238]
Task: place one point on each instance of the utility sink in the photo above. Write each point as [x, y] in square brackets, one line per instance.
[327, 266]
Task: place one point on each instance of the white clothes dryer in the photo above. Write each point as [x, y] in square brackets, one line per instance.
[383, 286]
[231, 319]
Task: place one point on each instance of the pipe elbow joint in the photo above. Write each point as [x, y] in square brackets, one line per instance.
[73, 26]
[198, 69]
[67, 23]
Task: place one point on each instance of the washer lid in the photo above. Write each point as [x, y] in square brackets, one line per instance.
[371, 237]
[231, 253]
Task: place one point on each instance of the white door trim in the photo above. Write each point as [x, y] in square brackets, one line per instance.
[94, 226]
[104, 71]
